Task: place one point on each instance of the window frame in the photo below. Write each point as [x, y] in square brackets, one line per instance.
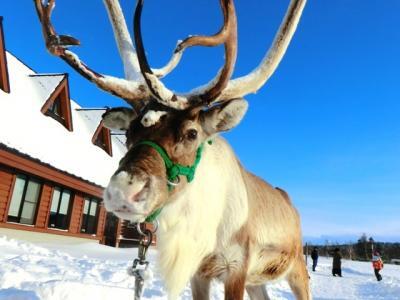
[69, 209]
[84, 225]
[4, 76]
[51, 112]
[27, 179]
[61, 95]
[102, 138]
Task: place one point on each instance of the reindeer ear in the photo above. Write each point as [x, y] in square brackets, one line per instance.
[224, 117]
[118, 118]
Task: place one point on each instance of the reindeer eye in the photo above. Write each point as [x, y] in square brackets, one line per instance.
[191, 134]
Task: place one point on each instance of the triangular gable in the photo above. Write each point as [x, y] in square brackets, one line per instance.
[102, 138]
[58, 105]
[43, 137]
[4, 79]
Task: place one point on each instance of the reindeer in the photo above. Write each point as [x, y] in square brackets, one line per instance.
[217, 220]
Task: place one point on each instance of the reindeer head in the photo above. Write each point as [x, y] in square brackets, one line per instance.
[166, 131]
[162, 158]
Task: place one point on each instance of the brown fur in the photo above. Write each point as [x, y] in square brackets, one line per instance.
[284, 194]
[211, 268]
[236, 281]
[299, 279]
[278, 266]
[235, 286]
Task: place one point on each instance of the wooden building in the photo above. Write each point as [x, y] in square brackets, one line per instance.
[55, 160]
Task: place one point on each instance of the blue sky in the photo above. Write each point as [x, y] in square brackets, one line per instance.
[325, 127]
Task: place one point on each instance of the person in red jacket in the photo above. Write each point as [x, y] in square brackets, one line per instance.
[377, 264]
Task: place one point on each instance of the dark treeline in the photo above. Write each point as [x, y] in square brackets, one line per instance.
[361, 250]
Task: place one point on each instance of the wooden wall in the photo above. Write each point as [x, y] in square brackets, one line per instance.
[44, 207]
[101, 221]
[6, 183]
[7, 179]
[76, 214]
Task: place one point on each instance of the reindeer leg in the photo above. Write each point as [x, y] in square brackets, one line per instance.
[298, 280]
[200, 288]
[258, 292]
[235, 286]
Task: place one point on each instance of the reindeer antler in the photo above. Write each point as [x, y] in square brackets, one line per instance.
[142, 84]
[125, 45]
[222, 88]
[133, 89]
[227, 35]
[54, 43]
[253, 81]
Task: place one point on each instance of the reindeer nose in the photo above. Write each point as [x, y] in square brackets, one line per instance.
[126, 188]
[114, 194]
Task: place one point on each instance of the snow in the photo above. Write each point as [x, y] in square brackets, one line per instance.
[23, 127]
[166, 95]
[92, 271]
[126, 89]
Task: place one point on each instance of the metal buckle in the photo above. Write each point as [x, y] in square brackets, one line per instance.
[175, 182]
[155, 227]
[138, 270]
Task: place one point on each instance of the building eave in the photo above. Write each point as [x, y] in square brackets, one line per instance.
[15, 159]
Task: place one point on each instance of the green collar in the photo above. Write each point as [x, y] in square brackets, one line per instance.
[173, 170]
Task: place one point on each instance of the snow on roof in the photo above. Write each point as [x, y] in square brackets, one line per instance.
[47, 83]
[24, 128]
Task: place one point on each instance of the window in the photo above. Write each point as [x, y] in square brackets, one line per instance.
[24, 200]
[58, 106]
[102, 138]
[90, 216]
[4, 80]
[60, 208]
[55, 111]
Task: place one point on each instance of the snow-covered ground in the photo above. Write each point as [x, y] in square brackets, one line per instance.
[91, 271]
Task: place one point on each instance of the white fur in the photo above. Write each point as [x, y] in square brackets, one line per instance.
[194, 224]
[205, 217]
[232, 260]
[152, 117]
[118, 120]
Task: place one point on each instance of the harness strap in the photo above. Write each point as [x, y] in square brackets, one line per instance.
[153, 216]
[173, 169]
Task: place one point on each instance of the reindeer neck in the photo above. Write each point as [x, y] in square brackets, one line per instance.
[207, 205]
